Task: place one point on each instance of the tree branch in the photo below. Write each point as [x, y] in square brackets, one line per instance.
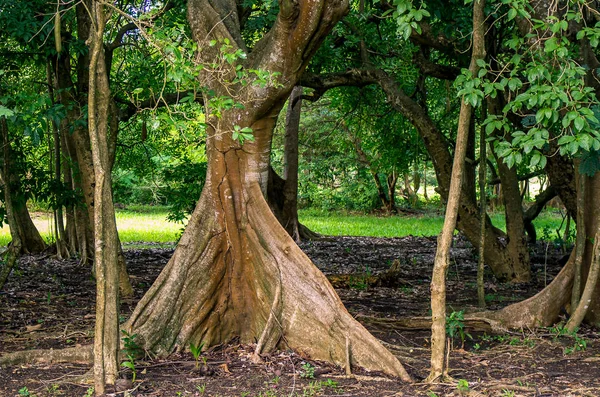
[118, 40]
[436, 70]
[525, 177]
[163, 100]
[538, 205]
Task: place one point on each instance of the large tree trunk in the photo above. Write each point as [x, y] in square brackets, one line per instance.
[516, 241]
[20, 223]
[544, 308]
[236, 273]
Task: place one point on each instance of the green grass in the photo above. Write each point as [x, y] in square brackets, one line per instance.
[148, 224]
[342, 224]
[135, 224]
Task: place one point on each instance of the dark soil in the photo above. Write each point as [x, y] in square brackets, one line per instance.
[49, 303]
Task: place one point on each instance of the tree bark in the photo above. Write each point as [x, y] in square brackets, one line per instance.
[25, 236]
[106, 242]
[544, 308]
[439, 371]
[78, 146]
[58, 213]
[275, 198]
[282, 193]
[482, 215]
[235, 272]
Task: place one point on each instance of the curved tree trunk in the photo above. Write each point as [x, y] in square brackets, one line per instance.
[282, 193]
[78, 147]
[503, 263]
[505, 266]
[275, 198]
[544, 308]
[106, 241]
[20, 223]
[236, 272]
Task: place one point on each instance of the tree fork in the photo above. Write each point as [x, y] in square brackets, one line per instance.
[222, 280]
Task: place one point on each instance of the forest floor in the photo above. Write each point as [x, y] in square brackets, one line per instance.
[49, 303]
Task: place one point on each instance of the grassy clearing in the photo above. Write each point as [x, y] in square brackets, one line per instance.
[135, 224]
[342, 224]
[147, 224]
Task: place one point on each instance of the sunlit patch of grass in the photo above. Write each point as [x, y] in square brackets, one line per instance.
[152, 227]
[338, 224]
[137, 224]
[342, 224]
[148, 224]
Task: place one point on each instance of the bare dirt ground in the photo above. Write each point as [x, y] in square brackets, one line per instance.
[49, 303]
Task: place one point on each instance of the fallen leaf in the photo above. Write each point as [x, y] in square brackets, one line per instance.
[33, 328]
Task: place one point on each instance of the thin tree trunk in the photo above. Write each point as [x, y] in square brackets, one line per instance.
[482, 215]
[106, 243]
[439, 370]
[387, 201]
[15, 248]
[78, 146]
[61, 237]
[425, 194]
[392, 179]
[290, 164]
[579, 240]
[586, 298]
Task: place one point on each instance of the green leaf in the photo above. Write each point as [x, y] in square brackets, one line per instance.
[573, 147]
[565, 139]
[535, 159]
[514, 84]
[512, 13]
[510, 160]
[590, 163]
[579, 123]
[6, 112]
[585, 141]
[550, 45]
[128, 364]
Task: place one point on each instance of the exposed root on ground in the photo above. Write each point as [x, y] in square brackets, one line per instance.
[475, 322]
[79, 355]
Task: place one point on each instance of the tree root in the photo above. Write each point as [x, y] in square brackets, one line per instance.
[81, 355]
[475, 322]
[269, 326]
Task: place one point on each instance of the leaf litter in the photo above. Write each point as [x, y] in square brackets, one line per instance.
[49, 304]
